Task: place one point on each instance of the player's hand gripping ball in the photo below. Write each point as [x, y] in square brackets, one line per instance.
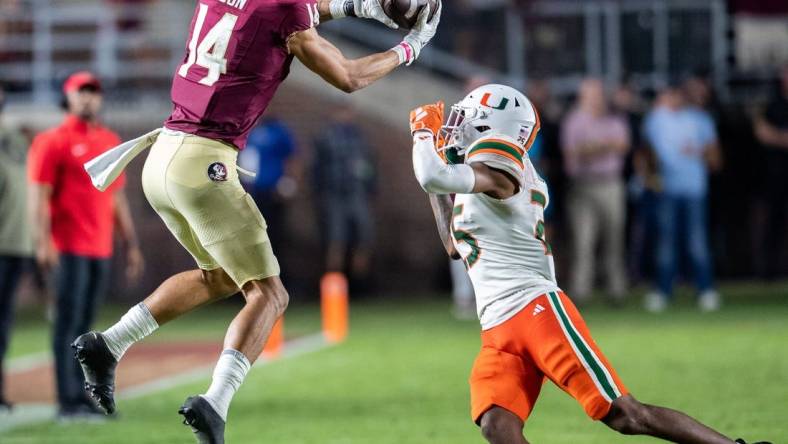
[405, 13]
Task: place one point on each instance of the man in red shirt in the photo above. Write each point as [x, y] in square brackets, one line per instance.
[74, 226]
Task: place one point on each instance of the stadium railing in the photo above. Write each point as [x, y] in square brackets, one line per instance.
[135, 44]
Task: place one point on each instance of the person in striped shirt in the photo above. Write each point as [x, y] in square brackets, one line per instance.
[531, 331]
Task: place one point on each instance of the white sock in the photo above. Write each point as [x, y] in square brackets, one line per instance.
[228, 375]
[132, 327]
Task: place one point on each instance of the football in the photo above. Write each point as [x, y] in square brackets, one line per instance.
[406, 12]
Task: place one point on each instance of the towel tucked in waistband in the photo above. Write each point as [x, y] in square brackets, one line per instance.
[105, 168]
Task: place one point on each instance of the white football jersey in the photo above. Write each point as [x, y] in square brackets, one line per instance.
[503, 245]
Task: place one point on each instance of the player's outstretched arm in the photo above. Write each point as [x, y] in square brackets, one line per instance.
[436, 176]
[368, 9]
[327, 61]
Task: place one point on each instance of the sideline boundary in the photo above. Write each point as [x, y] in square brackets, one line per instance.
[28, 414]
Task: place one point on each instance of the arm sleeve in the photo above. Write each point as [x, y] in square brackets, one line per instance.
[299, 15]
[434, 175]
[43, 160]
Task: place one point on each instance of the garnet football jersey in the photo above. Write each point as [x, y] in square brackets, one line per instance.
[235, 60]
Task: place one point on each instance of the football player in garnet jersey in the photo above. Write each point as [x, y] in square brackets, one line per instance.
[238, 53]
[531, 331]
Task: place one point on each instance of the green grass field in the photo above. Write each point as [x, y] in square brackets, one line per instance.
[401, 377]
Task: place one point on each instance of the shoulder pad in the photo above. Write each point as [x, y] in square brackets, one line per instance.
[497, 145]
[499, 152]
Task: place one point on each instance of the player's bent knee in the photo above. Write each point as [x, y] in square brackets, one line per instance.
[499, 426]
[220, 283]
[281, 299]
[628, 416]
[268, 291]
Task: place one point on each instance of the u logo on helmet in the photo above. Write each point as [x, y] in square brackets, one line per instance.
[501, 106]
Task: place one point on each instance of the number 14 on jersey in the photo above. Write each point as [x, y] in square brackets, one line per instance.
[210, 52]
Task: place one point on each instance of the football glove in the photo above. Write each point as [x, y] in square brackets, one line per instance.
[427, 117]
[419, 36]
[430, 118]
[368, 9]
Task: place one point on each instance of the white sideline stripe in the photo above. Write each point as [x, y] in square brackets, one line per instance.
[27, 414]
[28, 362]
[293, 348]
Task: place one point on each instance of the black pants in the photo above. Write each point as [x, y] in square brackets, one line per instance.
[11, 268]
[777, 202]
[80, 283]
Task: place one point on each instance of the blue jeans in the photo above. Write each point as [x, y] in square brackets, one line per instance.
[80, 283]
[682, 227]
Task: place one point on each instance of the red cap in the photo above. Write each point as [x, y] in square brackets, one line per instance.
[80, 79]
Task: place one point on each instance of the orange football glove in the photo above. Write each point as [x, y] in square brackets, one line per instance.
[427, 117]
[440, 141]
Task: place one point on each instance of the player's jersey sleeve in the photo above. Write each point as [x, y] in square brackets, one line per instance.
[299, 15]
[499, 152]
[43, 160]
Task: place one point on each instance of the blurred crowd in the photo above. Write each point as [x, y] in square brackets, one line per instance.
[341, 177]
[653, 189]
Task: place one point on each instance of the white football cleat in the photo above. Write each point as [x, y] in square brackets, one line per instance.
[709, 301]
[655, 302]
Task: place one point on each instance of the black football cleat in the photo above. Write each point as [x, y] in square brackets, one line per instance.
[741, 441]
[98, 366]
[206, 424]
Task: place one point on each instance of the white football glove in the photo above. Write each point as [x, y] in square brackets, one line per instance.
[372, 9]
[368, 9]
[419, 36]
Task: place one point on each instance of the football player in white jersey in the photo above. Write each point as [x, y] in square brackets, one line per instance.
[530, 328]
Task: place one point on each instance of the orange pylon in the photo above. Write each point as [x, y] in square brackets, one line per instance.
[334, 306]
[276, 340]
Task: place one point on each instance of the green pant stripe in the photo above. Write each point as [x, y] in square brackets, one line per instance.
[595, 367]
